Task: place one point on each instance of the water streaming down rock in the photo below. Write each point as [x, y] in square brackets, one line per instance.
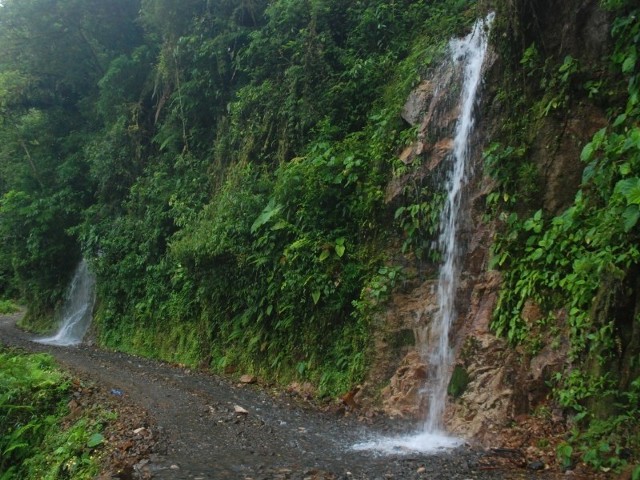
[466, 55]
[436, 350]
[77, 310]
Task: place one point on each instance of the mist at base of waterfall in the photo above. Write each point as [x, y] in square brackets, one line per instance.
[422, 442]
[65, 337]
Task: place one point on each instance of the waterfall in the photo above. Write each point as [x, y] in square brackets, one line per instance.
[466, 56]
[469, 52]
[77, 309]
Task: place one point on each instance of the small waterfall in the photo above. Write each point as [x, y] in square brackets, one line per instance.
[77, 309]
[466, 57]
[470, 52]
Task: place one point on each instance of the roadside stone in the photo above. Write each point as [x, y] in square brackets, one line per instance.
[240, 411]
[536, 465]
[248, 379]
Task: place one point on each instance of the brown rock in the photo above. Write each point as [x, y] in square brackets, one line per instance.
[531, 312]
[402, 397]
[304, 390]
[348, 399]
[248, 379]
[417, 103]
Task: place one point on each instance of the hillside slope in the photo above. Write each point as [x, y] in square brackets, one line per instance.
[256, 195]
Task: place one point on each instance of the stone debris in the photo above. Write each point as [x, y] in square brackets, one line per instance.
[240, 411]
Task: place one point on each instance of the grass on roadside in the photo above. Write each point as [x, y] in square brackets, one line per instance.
[7, 306]
[43, 434]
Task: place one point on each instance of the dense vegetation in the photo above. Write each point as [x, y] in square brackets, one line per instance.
[577, 267]
[222, 164]
[37, 440]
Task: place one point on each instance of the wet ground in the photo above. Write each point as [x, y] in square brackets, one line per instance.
[197, 426]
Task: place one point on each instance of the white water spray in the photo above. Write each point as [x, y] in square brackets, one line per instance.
[467, 53]
[77, 310]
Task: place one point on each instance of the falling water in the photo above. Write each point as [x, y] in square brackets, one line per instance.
[77, 310]
[470, 51]
[468, 55]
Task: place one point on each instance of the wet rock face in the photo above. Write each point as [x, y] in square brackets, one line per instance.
[414, 109]
[572, 27]
[556, 152]
[433, 110]
[403, 397]
[397, 364]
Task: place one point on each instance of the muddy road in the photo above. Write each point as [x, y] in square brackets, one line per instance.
[205, 427]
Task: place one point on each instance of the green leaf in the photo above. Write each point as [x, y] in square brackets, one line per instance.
[630, 189]
[537, 254]
[589, 172]
[630, 217]
[267, 214]
[95, 440]
[340, 248]
[587, 152]
[629, 62]
[620, 119]
[15, 446]
[316, 297]
[580, 416]
[625, 169]
[324, 255]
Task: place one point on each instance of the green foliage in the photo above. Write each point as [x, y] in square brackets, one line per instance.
[52, 55]
[319, 63]
[33, 442]
[221, 164]
[459, 381]
[280, 260]
[7, 306]
[34, 240]
[419, 223]
[579, 266]
[564, 452]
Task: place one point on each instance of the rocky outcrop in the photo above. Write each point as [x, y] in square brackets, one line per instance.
[556, 149]
[433, 110]
[397, 363]
[403, 396]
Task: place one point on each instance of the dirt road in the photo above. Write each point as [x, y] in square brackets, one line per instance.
[203, 431]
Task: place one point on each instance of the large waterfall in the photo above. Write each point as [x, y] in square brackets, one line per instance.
[467, 56]
[77, 309]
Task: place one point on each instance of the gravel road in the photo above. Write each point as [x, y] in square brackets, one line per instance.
[205, 427]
